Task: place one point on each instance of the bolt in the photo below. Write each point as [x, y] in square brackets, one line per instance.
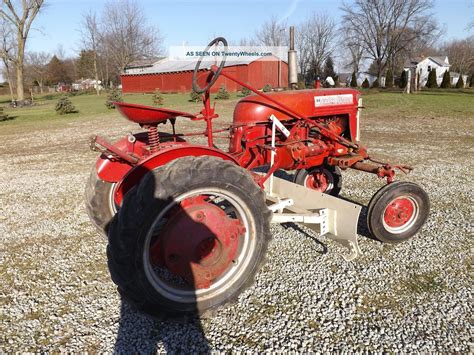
[199, 216]
[208, 276]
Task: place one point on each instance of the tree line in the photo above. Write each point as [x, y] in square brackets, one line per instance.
[379, 34]
[110, 39]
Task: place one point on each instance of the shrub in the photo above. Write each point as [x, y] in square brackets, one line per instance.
[375, 84]
[222, 94]
[460, 83]
[157, 98]
[389, 79]
[194, 96]
[245, 91]
[432, 83]
[64, 106]
[366, 84]
[267, 88]
[353, 80]
[446, 83]
[301, 85]
[403, 79]
[113, 96]
[3, 115]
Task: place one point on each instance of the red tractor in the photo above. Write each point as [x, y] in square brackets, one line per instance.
[188, 225]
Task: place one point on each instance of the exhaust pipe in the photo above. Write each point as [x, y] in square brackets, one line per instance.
[292, 68]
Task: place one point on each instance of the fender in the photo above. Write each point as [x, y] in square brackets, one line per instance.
[163, 157]
[114, 170]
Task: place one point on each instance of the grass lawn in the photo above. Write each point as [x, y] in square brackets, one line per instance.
[385, 105]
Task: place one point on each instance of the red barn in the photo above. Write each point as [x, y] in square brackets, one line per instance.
[176, 76]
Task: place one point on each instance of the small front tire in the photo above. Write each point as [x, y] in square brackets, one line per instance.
[397, 212]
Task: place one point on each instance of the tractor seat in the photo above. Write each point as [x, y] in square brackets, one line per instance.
[148, 115]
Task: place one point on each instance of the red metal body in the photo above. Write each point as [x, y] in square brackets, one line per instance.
[322, 123]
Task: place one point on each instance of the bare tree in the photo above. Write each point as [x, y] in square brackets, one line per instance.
[354, 47]
[272, 33]
[461, 55]
[126, 34]
[387, 28]
[91, 40]
[37, 67]
[8, 52]
[21, 18]
[315, 43]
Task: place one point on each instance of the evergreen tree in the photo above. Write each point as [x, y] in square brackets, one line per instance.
[460, 83]
[245, 91]
[353, 80]
[389, 79]
[301, 85]
[222, 94]
[64, 106]
[403, 79]
[267, 88]
[366, 84]
[329, 69]
[432, 83]
[194, 96]
[375, 84]
[446, 83]
[113, 96]
[3, 115]
[471, 83]
[158, 99]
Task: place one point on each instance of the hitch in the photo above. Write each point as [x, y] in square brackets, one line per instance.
[97, 143]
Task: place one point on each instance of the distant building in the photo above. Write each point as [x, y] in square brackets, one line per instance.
[423, 65]
[347, 78]
[176, 75]
[86, 84]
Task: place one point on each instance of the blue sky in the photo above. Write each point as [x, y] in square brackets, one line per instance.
[196, 21]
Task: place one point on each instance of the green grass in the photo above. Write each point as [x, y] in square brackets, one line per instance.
[384, 104]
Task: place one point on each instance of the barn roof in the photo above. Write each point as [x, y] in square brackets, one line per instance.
[173, 66]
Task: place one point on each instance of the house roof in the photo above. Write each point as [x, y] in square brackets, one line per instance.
[143, 62]
[440, 60]
[171, 66]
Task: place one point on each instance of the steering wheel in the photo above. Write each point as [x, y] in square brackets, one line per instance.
[216, 73]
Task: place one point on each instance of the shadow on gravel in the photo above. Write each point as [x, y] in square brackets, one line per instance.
[139, 333]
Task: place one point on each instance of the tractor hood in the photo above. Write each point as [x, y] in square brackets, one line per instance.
[309, 103]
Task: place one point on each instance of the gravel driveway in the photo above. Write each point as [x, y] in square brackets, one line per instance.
[56, 294]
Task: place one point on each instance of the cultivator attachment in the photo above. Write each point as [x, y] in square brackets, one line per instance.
[336, 218]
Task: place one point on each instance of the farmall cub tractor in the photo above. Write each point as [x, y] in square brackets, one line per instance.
[188, 225]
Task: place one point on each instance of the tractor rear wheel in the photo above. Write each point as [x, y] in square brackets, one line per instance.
[326, 179]
[100, 204]
[397, 211]
[189, 237]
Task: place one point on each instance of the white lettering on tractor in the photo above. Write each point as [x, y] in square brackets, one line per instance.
[330, 100]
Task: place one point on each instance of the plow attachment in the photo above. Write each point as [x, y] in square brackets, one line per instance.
[336, 218]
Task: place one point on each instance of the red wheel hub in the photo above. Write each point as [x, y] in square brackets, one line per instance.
[198, 243]
[399, 212]
[317, 181]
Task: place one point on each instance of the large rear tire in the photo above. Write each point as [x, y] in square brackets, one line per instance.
[100, 203]
[189, 237]
[397, 212]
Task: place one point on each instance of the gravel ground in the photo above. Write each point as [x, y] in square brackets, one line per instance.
[56, 295]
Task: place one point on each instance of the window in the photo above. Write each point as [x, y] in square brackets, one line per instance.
[429, 68]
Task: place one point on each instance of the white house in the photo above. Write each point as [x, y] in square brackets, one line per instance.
[423, 65]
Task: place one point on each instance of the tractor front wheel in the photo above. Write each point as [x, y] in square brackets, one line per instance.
[397, 211]
[326, 179]
[189, 237]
